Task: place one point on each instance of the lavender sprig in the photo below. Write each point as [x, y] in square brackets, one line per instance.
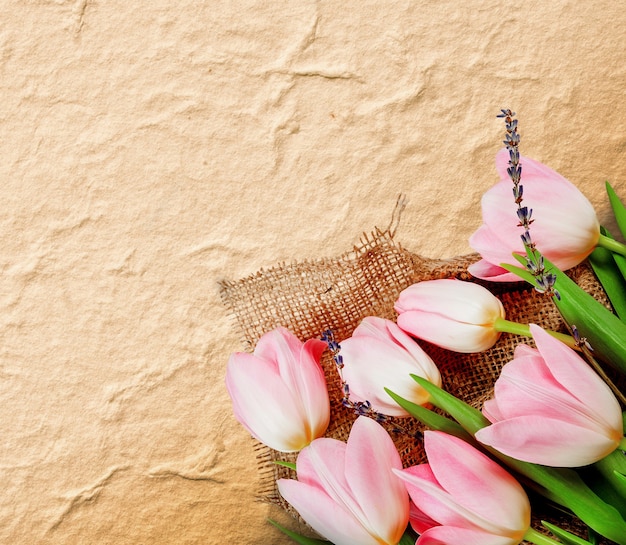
[544, 280]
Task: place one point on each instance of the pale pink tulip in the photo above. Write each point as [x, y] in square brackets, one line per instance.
[279, 393]
[551, 408]
[462, 496]
[348, 493]
[565, 227]
[455, 315]
[380, 355]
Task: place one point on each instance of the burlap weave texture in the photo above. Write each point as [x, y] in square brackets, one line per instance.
[313, 296]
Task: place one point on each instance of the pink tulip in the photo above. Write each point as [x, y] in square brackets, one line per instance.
[455, 315]
[380, 355]
[551, 408]
[279, 393]
[347, 492]
[565, 227]
[462, 496]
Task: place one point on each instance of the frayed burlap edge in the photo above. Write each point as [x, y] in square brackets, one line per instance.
[310, 297]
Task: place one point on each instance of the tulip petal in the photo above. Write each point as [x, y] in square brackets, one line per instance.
[466, 489]
[573, 373]
[420, 521]
[463, 301]
[450, 313]
[347, 492]
[310, 387]
[565, 226]
[551, 408]
[404, 342]
[527, 386]
[263, 404]
[564, 242]
[283, 347]
[370, 457]
[449, 535]
[325, 516]
[370, 365]
[431, 501]
[497, 206]
[478, 484]
[522, 350]
[487, 271]
[546, 441]
[322, 464]
[299, 368]
[494, 250]
[375, 327]
[446, 333]
[462, 496]
[491, 411]
[278, 345]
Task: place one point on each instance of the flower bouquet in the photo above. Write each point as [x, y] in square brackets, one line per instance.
[478, 400]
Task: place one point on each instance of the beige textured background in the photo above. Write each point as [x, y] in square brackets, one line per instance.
[151, 148]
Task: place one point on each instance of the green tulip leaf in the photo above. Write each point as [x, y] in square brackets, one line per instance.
[611, 277]
[469, 418]
[408, 538]
[302, 540]
[613, 469]
[523, 273]
[565, 537]
[618, 480]
[620, 261]
[619, 483]
[290, 465]
[603, 488]
[430, 419]
[619, 210]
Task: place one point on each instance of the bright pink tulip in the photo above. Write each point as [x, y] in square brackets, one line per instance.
[551, 408]
[380, 355]
[348, 493]
[279, 393]
[462, 496]
[565, 227]
[455, 315]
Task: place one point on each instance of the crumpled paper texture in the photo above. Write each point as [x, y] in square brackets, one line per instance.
[151, 149]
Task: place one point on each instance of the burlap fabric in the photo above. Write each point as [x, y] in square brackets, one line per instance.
[312, 296]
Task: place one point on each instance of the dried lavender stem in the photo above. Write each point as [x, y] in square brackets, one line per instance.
[544, 281]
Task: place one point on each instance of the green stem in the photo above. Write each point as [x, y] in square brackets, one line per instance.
[506, 326]
[622, 444]
[538, 538]
[612, 245]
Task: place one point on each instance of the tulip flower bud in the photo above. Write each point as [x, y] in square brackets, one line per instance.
[279, 393]
[551, 408]
[452, 314]
[462, 496]
[564, 225]
[380, 355]
[347, 492]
